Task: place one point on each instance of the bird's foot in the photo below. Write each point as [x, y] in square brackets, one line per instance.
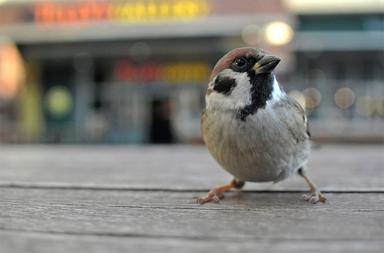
[213, 196]
[315, 197]
[217, 193]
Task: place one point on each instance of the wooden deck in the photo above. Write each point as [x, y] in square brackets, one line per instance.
[139, 199]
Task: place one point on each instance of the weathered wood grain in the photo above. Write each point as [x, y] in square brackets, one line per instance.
[332, 167]
[241, 216]
[48, 243]
[129, 199]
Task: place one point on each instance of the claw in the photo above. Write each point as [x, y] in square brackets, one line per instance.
[217, 193]
[315, 197]
[212, 196]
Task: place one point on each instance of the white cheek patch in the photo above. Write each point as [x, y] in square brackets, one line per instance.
[217, 101]
[241, 94]
[239, 97]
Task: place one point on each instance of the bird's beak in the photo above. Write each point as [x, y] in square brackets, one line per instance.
[266, 64]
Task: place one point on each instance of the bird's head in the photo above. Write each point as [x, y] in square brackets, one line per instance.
[242, 80]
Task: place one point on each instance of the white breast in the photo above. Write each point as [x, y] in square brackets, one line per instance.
[259, 149]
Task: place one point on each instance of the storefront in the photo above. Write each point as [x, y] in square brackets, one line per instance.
[126, 71]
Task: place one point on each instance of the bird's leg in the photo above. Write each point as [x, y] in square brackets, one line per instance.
[217, 193]
[314, 195]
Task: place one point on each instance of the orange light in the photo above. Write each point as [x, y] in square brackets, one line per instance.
[64, 13]
[11, 71]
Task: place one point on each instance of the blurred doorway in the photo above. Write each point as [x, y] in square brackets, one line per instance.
[161, 129]
[58, 86]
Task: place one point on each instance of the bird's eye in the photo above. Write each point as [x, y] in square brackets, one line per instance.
[240, 64]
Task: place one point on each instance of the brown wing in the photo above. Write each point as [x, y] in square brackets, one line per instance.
[300, 113]
[294, 118]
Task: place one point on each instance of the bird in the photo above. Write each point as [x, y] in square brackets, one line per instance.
[251, 127]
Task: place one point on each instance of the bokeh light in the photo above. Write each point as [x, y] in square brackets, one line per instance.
[380, 105]
[344, 97]
[278, 33]
[12, 73]
[365, 106]
[298, 96]
[58, 101]
[312, 98]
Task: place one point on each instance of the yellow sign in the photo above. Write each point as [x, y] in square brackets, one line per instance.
[186, 72]
[127, 11]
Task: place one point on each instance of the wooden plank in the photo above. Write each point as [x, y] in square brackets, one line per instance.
[48, 243]
[241, 216]
[333, 167]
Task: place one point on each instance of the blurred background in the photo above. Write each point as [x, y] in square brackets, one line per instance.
[135, 71]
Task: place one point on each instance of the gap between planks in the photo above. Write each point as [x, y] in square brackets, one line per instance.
[105, 187]
[181, 237]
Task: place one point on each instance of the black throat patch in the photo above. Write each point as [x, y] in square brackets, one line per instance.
[261, 92]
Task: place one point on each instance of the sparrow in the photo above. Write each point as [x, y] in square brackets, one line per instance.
[251, 127]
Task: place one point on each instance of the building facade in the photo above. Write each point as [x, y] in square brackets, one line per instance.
[136, 71]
